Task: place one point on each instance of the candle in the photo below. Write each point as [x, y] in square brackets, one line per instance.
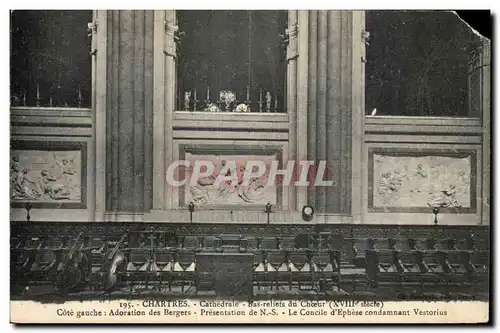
[248, 93]
[208, 93]
[79, 96]
[260, 100]
[37, 94]
[195, 100]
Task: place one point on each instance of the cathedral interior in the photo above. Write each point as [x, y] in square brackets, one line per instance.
[396, 103]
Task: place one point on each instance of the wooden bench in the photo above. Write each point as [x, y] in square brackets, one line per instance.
[438, 268]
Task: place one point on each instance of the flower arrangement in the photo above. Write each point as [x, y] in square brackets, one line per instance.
[242, 108]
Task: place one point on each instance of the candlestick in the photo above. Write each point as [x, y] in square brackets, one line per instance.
[195, 100]
[79, 96]
[268, 101]
[37, 94]
[187, 100]
[260, 100]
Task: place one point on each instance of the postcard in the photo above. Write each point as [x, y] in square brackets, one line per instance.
[249, 166]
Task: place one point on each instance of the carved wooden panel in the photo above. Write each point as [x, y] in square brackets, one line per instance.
[415, 181]
[48, 174]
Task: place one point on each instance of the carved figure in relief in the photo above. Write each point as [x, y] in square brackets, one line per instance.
[67, 173]
[187, 100]
[49, 177]
[199, 194]
[24, 187]
[422, 181]
[389, 184]
[445, 198]
[15, 166]
[421, 171]
[207, 192]
[253, 192]
[51, 186]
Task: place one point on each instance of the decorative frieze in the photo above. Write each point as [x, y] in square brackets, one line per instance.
[416, 182]
[48, 174]
[42, 176]
[206, 191]
[421, 181]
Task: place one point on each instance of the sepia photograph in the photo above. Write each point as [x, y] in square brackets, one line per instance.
[249, 166]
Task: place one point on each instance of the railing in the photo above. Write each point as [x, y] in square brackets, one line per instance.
[54, 98]
[228, 101]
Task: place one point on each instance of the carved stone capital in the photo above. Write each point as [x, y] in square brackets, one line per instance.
[173, 37]
[92, 28]
[291, 40]
[170, 29]
[292, 31]
[480, 55]
[365, 37]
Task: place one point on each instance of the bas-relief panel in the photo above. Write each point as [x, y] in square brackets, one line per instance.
[207, 192]
[422, 181]
[45, 176]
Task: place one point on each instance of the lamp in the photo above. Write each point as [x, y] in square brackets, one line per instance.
[28, 207]
[191, 210]
[268, 210]
[435, 211]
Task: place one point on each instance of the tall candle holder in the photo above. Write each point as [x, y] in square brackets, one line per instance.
[268, 101]
[187, 100]
[28, 207]
[435, 211]
[38, 94]
[207, 100]
[195, 100]
[248, 101]
[261, 101]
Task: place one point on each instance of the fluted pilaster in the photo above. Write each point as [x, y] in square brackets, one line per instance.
[480, 107]
[129, 111]
[330, 107]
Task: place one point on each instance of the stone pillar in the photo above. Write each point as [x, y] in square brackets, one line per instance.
[302, 101]
[292, 54]
[479, 93]
[312, 98]
[330, 107]
[129, 112]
